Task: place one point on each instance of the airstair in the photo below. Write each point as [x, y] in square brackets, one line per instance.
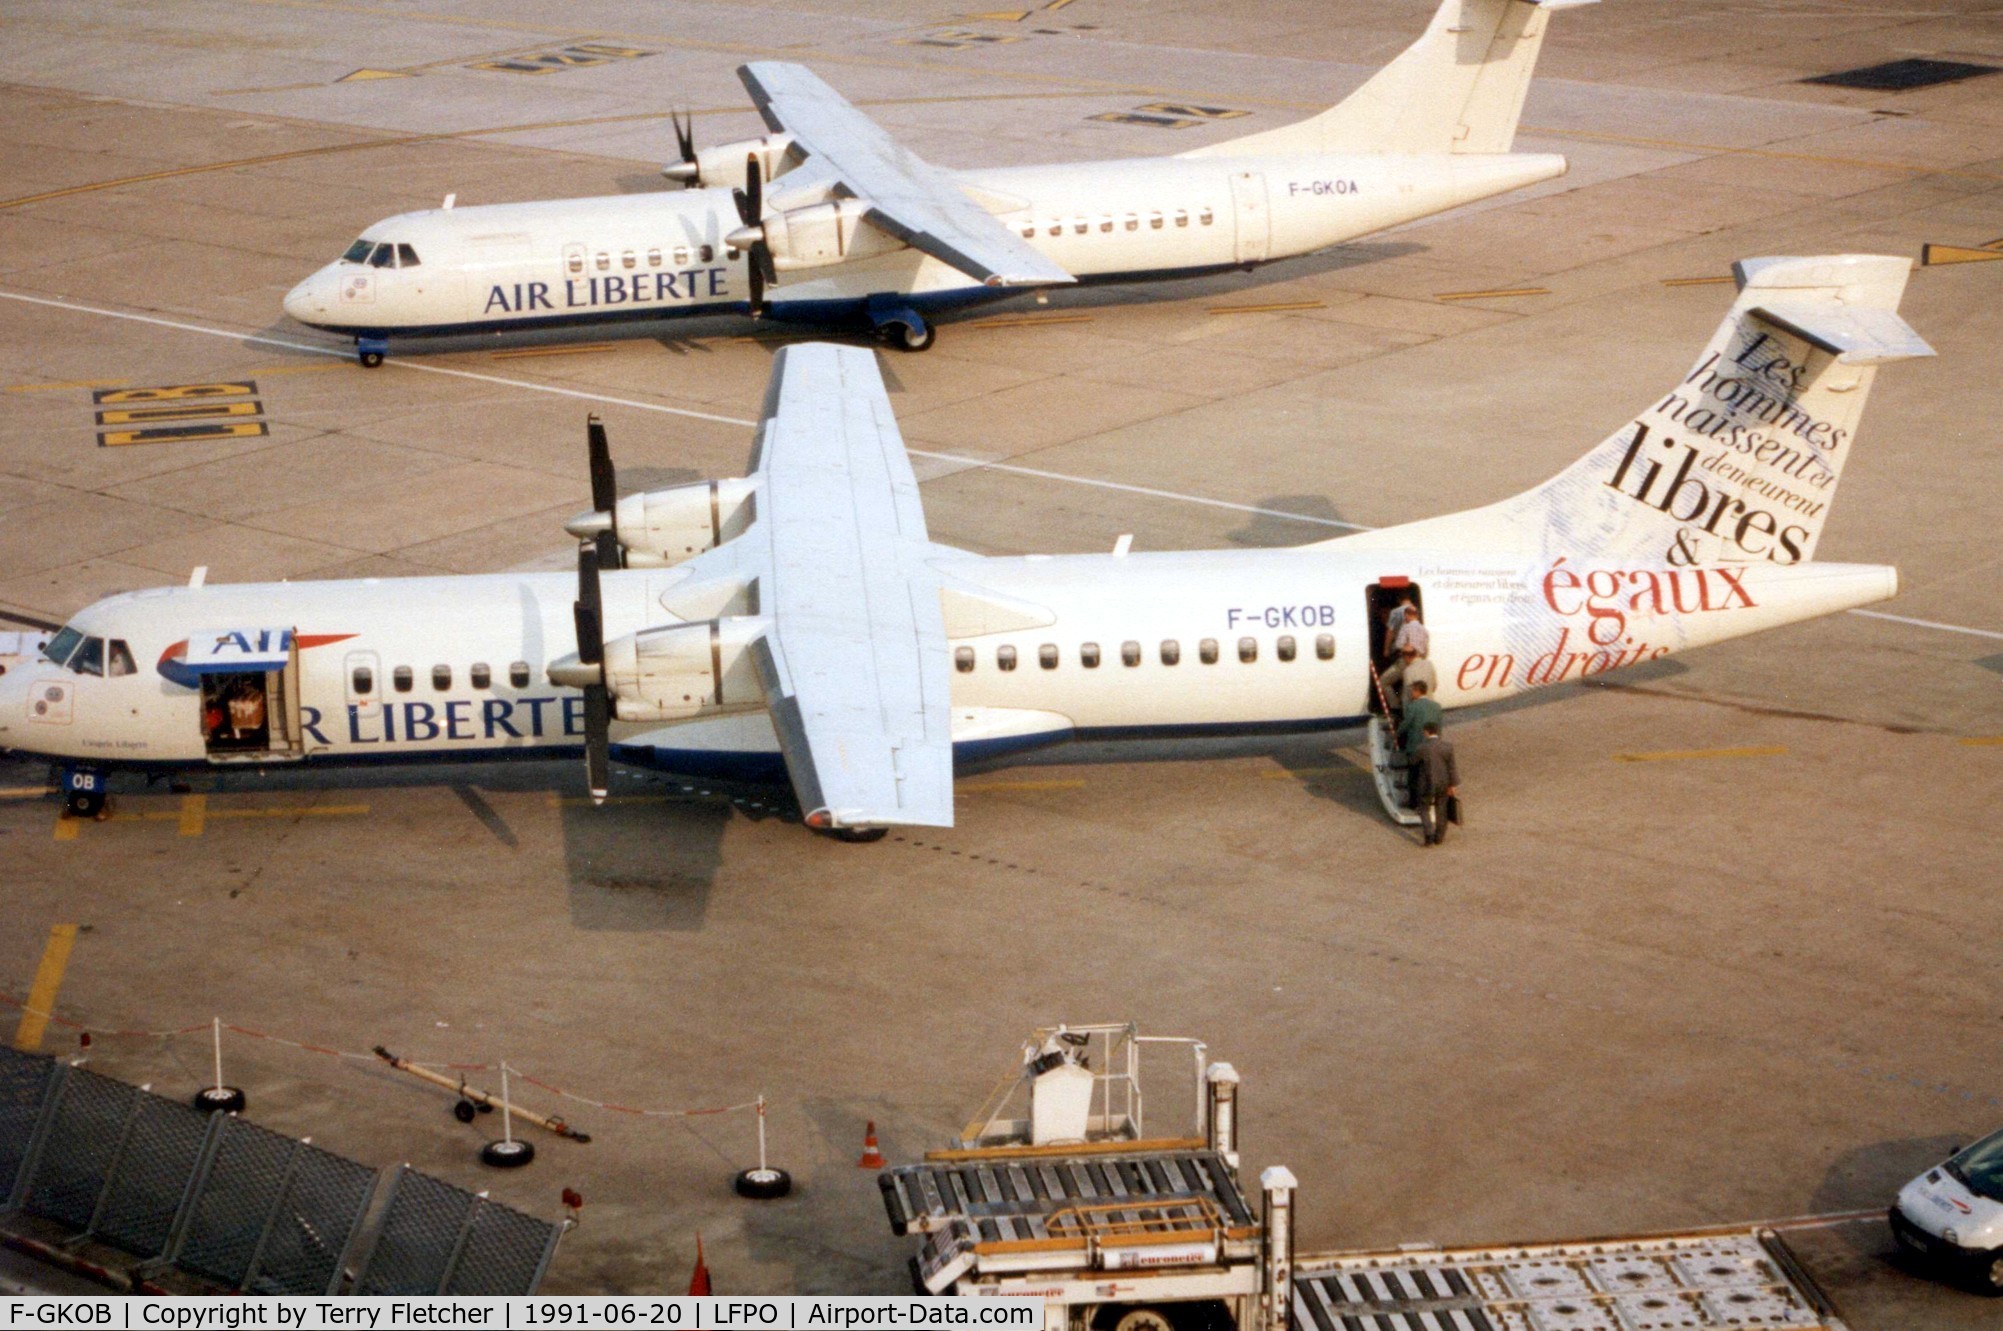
[1392, 776]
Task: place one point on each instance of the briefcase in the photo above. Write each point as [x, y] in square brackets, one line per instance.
[1454, 810]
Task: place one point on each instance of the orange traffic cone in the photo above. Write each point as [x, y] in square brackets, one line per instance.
[699, 1278]
[871, 1157]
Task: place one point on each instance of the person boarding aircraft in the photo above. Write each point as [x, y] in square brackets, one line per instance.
[799, 624]
[827, 219]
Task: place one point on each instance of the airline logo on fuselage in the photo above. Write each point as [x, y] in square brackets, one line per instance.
[590, 293]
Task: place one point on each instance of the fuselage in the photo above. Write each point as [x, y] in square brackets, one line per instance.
[649, 256]
[1044, 648]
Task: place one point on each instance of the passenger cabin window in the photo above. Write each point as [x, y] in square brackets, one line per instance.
[89, 659]
[1284, 648]
[399, 679]
[384, 257]
[653, 258]
[358, 252]
[1005, 658]
[1028, 230]
[1080, 225]
[626, 260]
[1133, 222]
[120, 661]
[1056, 226]
[1105, 224]
[1154, 220]
[1207, 217]
[708, 253]
[603, 261]
[1248, 650]
[1046, 656]
[1182, 217]
[441, 677]
[1206, 651]
[577, 263]
[1130, 653]
[406, 256]
[58, 648]
[480, 676]
[963, 660]
[681, 256]
[1088, 655]
[518, 675]
[363, 681]
[1324, 646]
[1171, 651]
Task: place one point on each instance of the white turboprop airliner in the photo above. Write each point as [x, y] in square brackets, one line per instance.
[799, 624]
[827, 219]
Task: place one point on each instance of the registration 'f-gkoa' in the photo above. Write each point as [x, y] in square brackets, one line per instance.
[799, 623]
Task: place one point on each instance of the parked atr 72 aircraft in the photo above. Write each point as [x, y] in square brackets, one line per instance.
[799, 624]
[827, 219]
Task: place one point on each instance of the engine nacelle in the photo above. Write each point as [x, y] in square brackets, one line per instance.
[722, 164]
[825, 233]
[684, 670]
[661, 528]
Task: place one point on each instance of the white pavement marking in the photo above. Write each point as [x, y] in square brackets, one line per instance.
[1930, 624]
[318, 350]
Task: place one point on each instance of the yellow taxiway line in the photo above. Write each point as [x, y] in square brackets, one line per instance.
[1275, 307]
[42, 993]
[1491, 295]
[556, 351]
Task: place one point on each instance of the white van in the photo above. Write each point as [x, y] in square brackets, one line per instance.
[1952, 1215]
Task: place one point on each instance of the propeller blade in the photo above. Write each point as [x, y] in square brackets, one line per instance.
[597, 742]
[756, 272]
[684, 134]
[604, 481]
[589, 609]
[754, 191]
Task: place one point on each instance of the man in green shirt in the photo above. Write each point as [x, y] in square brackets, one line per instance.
[1420, 711]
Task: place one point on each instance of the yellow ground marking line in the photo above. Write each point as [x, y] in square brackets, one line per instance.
[194, 811]
[1273, 308]
[42, 993]
[266, 371]
[1940, 256]
[1677, 755]
[68, 829]
[1067, 784]
[555, 351]
[1982, 739]
[1695, 281]
[1030, 320]
[1294, 772]
[69, 383]
[394, 72]
[1491, 295]
[24, 792]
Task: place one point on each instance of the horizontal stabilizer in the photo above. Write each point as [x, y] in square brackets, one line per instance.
[1854, 337]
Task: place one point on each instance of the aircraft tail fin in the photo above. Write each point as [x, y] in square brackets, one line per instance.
[1458, 89]
[1739, 462]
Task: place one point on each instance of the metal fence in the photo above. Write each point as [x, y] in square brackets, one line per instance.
[239, 1207]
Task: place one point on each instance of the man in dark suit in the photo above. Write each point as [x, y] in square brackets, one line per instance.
[1435, 780]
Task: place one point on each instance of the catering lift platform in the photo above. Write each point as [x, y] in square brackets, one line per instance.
[1072, 1201]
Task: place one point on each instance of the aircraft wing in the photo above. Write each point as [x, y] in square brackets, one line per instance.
[908, 196]
[855, 661]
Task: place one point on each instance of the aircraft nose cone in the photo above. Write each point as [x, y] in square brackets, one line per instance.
[308, 302]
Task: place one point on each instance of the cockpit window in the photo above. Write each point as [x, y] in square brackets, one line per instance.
[59, 647]
[406, 256]
[384, 257]
[120, 661]
[359, 251]
[89, 659]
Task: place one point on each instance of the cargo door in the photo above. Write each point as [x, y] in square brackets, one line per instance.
[1254, 218]
[249, 684]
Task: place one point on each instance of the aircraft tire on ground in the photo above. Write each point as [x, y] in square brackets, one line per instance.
[369, 359]
[907, 338]
[84, 804]
[860, 835]
[219, 1100]
[763, 1185]
[507, 1154]
[1989, 1275]
[464, 1111]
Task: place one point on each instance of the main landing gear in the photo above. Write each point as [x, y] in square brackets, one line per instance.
[901, 326]
[371, 350]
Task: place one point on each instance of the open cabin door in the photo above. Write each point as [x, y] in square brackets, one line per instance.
[1383, 597]
[249, 683]
[1253, 218]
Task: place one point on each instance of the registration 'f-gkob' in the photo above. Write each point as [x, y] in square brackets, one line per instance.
[799, 624]
[826, 218]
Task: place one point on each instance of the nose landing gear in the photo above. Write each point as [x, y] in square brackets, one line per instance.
[371, 350]
[85, 793]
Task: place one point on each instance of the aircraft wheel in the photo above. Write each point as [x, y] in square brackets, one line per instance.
[464, 1111]
[1989, 1275]
[85, 804]
[762, 1185]
[861, 835]
[219, 1100]
[507, 1154]
[369, 359]
[906, 338]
